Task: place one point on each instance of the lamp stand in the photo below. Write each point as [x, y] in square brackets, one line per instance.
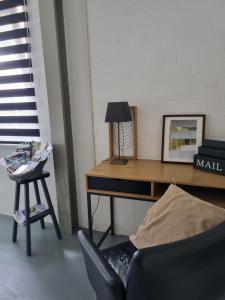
[119, 160]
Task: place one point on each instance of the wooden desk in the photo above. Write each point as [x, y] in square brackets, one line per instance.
[147, 180]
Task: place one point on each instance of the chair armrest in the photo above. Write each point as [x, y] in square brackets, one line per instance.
[106, 283]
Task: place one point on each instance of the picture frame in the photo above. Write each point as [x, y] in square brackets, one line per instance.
[181, 137]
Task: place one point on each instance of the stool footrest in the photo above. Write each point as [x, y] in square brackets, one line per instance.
[40, 216]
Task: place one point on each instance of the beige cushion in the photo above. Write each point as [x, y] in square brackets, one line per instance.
[176, 216]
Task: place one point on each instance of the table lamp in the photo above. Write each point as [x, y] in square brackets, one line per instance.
[118, 112]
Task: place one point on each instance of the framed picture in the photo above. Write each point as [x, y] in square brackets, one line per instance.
[181, 137]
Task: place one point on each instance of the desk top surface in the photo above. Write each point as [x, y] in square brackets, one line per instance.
[155, 171]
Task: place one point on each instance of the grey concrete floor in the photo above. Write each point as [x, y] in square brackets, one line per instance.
[55, 271]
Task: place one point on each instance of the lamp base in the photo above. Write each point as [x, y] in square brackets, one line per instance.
[119, 161]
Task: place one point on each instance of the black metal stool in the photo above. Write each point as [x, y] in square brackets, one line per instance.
[40, 217]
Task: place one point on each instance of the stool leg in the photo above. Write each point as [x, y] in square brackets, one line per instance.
[37, 194]
[48, 199]
[27, 215]
[16, 207]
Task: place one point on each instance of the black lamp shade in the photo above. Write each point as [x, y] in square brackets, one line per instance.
[118, 112]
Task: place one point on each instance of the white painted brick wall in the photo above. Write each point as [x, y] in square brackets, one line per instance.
[163, 56]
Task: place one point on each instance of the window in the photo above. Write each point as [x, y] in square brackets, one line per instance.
[18, 110]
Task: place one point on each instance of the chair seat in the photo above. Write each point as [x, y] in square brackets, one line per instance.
[119, 257]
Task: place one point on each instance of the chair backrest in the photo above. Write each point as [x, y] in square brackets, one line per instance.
[106, 283]
[189, 269]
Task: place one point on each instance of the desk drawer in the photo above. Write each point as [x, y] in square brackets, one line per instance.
[119, 185]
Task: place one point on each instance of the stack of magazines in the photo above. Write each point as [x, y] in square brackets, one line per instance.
[35, 210]
[26, 158]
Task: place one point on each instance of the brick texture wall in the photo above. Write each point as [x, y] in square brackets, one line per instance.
[166, 57]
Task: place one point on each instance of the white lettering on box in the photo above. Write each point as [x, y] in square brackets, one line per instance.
[211, 165]
[207, 165]
[218, 168]
[200, 163]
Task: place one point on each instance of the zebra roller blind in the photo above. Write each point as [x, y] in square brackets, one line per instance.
[18, 110]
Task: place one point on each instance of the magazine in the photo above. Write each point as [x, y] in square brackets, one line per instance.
[15, 160]
[26, 158]
[20, 217]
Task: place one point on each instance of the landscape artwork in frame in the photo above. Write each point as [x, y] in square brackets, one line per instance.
[181, 137]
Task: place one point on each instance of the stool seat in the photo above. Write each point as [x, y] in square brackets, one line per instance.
[29, 178]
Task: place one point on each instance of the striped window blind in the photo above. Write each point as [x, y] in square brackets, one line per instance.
[18, 111]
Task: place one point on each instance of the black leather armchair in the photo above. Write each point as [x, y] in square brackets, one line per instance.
[191, 269]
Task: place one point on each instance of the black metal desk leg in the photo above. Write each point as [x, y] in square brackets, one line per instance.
[38, 199]
[112, 214]
[48, 199]
[27, 215]
[90, 223]
[16, 207]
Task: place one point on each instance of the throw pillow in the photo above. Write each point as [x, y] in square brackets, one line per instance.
[176, 216]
